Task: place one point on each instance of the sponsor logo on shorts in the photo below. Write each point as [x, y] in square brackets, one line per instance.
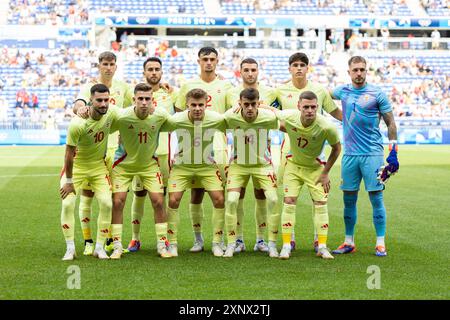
[85, 220]
[104, 230]
[231, 233]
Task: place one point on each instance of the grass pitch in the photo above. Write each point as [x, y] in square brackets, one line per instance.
[417, 202]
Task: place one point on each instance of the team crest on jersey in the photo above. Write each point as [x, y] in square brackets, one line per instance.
[289, 96]
[219, 91]
[294, 129]
[131, 127]
[153, 127]
[90, 131]
[366, 98]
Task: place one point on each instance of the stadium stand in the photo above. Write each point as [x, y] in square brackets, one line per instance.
[437, 7]
[53, 12]
[149, 7]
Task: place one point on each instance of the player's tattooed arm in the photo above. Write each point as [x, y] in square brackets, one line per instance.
[391, 126]
[68, 186]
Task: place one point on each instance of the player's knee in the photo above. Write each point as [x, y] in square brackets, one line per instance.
[158, 203]
[233, 198]
[68, 204]
[174, 201]
[271, 198]
[105, 203]
[290, 200]
[218, 200]
[350, 199]
[118, 202]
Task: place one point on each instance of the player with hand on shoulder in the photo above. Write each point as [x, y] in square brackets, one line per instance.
[164, 97]
[196, 128]
[267, 95]
[216, 89]
[139, 127]
[251, 159]
[84, 163]
[120, 96]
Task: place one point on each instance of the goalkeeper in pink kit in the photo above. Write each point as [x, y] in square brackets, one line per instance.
[363, 105]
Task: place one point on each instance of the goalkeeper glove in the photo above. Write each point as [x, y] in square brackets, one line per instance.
[392, 166]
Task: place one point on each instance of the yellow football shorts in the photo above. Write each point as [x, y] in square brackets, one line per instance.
[183, 177]
[263, 177]
[149, 179]
[296, 176]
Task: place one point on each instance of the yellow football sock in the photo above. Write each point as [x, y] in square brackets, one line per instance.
[161, 232]
[104, 217]
[137, 212]
[321, 223]
[67, 217]
[116, 231]
[240, 220]
[196, 211]
[84, 212]
[273, 214]
[218, 221]
[231, 215]
[172, 224]
[260, 218]
[288, 222]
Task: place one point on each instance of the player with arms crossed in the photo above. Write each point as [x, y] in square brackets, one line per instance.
[287, 98]
[163, 97]
[216, 90]
[84, 163]
[139, 127]
[308, 132]
[267, 95]
[363, 105]
[195, 129]
[251, 159]
[120, 96]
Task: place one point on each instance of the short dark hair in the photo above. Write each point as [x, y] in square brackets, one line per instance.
[308, 95]
[249, 60]
[99, 87]
[206, 51]
[145, 87]
[356, 59]
[107, 55]
[154, 59]
[298, 56]
[250, 94]
[196, 94]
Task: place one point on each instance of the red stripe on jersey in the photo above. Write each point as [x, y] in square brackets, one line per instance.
[63, 171]
[157, 160]
[119, 160]
[321, 162]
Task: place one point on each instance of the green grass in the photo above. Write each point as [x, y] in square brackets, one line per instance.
[417, 202]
